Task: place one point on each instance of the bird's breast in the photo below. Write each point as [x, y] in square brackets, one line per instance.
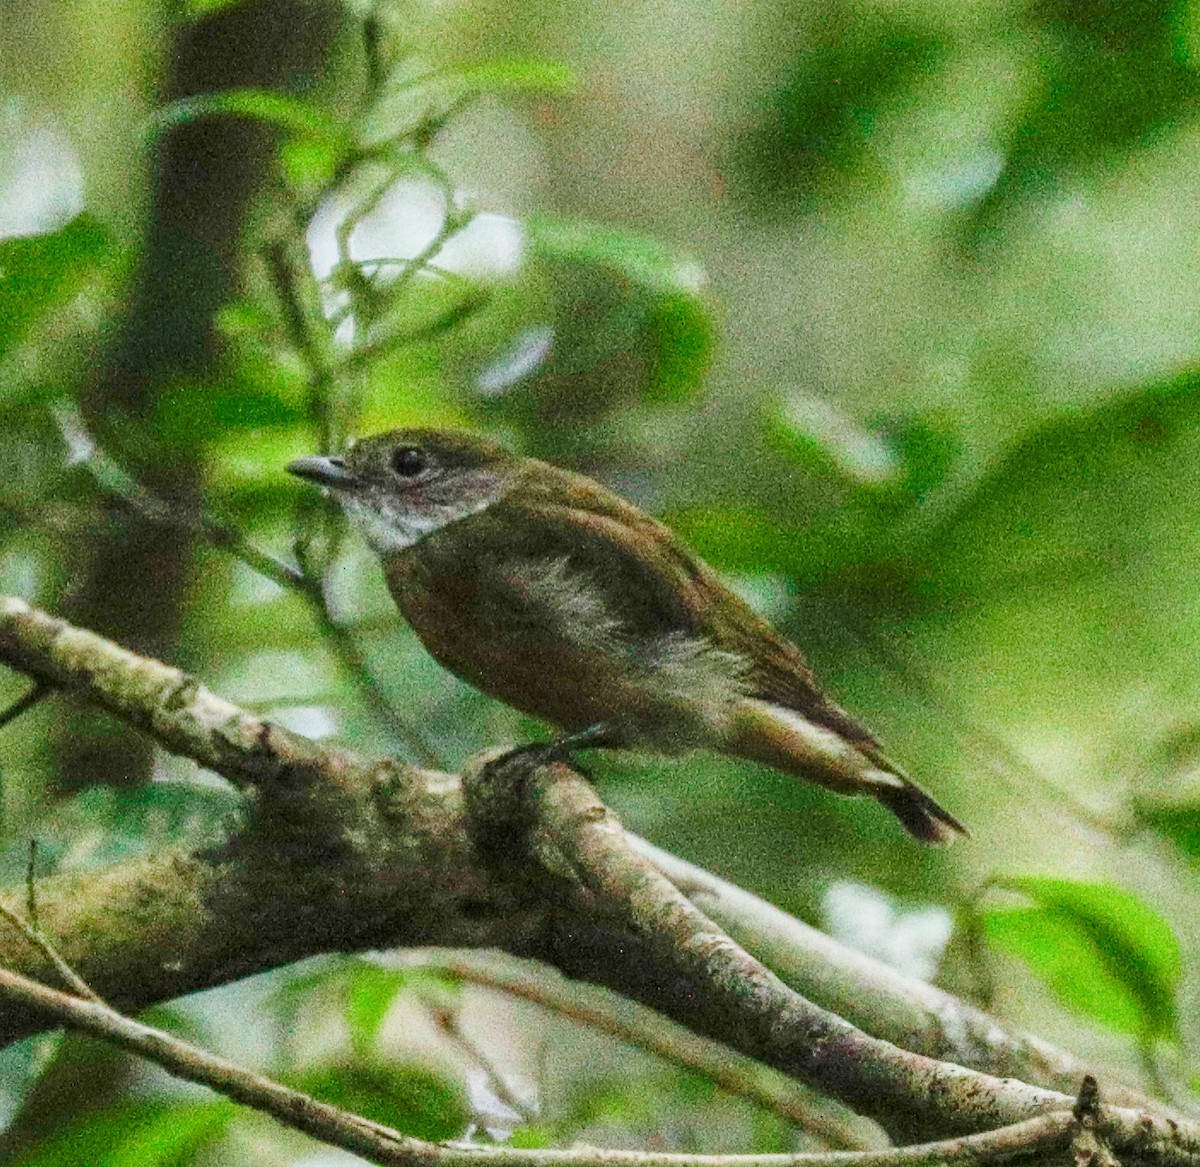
[473, 622]
[529, 632]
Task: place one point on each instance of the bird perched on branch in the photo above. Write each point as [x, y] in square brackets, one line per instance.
[547, 591]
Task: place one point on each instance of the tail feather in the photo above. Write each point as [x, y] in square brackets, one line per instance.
[788, 741]
[919, 815]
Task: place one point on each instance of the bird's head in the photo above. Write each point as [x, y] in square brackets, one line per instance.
[400, 486]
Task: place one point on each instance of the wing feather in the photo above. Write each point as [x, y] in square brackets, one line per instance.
[662, 587]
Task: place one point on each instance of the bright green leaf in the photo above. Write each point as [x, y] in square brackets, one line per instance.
[413, 1099]
[513, 75]
[371, 993]
[262, 105]
[138, 1136]
[1098, 947]
[310, 162]
[40, 272]
[1066, 961]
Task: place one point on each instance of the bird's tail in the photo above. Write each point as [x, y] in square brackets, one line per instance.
[919, 814]
[788, 741]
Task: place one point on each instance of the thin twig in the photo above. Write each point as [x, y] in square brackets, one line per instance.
[1006, 763]
[373, 38]
[121, 487]
[31, 908]
[299, 297]
[36, 937]
[355, 663]
[372, 351]
[448, 1024]
[432, 269]
[453, 222]
[627, 1021]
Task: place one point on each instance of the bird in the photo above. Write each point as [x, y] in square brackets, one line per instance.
[549, 592]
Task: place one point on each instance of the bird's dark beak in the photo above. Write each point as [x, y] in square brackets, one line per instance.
[328, 472]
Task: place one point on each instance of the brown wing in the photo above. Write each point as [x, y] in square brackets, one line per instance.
[664, 587]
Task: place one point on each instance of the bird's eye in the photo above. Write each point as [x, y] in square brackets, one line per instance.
[408, 461]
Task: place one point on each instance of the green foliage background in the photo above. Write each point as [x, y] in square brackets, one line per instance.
[891, 306]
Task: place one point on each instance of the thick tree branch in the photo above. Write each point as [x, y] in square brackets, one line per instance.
[562, 818]
[874, 996]
[342, 852]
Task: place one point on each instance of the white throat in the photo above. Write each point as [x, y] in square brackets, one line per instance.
[392, 532]
[389, 525]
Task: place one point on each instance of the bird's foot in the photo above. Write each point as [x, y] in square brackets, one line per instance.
[594, 737]
[533, 754]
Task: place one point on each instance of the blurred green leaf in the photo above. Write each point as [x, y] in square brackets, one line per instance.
[512, 75]
[40, 272]
[1178, 822]
[370, 995]
[814, 433]
[254, 470]
[261, 105]
[1070, 497]
[310, 162]
[642, 261]
[659, 294]
[816, 125]
[413, 1099]
[1099, 948]
[136, 1136]
[22, 1066]
[263, 396]
[929, 447]
[1111, 73]
[104, 825]
[532, 1136]
[373, 989]
[682, 329]
[737, 539]
[199, 9]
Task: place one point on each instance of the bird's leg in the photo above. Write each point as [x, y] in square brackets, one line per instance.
[596, 736]
[560, 749]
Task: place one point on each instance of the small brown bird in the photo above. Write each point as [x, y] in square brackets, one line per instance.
[545, 590]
